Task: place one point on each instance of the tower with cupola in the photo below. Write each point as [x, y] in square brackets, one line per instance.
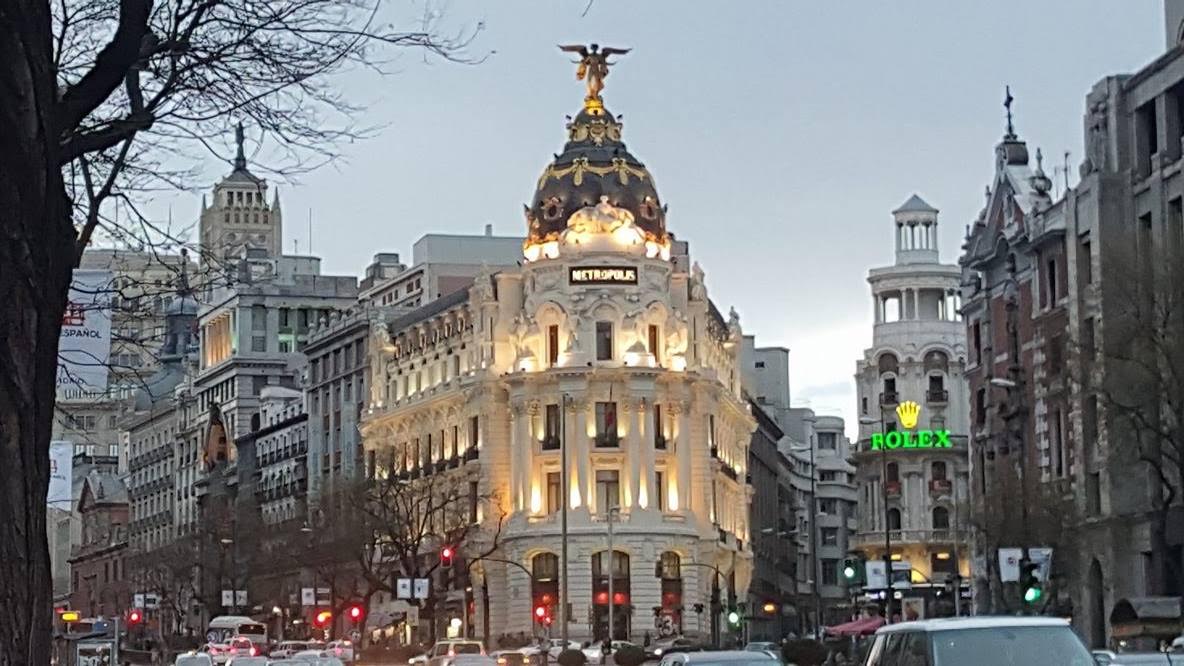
[240, 215]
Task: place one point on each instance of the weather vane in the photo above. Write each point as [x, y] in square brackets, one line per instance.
[593, 68]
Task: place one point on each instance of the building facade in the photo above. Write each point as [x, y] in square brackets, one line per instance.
[1064, 300]
[912, 456]
[98, 572]
[775, 606]
[599, 350]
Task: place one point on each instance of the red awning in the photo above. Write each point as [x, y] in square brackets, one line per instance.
[862, 627]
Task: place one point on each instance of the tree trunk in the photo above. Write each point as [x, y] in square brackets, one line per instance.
[36, 261]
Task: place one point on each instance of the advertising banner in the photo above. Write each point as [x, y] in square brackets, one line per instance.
[61, 472]
[85, 341]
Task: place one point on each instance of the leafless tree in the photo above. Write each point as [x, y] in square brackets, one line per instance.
[102, 102]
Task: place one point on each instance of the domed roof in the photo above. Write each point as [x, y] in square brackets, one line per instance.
[184, 304]
[594, 164]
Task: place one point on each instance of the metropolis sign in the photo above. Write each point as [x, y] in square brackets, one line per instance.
[603, 275]
[908, 412]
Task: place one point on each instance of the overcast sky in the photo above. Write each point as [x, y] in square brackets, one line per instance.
[781, 133]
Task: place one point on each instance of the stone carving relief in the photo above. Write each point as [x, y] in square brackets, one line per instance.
[1096, 137]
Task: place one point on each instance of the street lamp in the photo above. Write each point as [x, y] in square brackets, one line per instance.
[814, 573]
[869, 421]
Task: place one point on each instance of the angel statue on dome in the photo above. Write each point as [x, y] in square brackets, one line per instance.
[594, 66]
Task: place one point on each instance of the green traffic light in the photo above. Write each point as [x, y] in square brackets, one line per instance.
[849, 572]
[1033, 594]
[733, 617]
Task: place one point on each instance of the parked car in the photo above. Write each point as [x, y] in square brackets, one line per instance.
[556, 645]
[720, 658]
[979, 641]
[343, 650]
[663, 646]
[443, 652]
[1106, 658]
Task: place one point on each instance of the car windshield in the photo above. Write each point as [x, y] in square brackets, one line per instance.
[466, 648]
[1009, 646]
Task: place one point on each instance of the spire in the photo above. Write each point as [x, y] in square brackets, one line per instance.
[240, 160]
[1007, 102]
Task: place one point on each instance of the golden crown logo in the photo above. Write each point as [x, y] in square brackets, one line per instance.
[908, 411]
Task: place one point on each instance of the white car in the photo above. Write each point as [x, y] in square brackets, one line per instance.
[238, 646]
[193, 659]
[288, 648]
[979, 641]
[316, 658]
[555, 646]
[443, 652]
[343, 650]
[720, 658]
[418, 660]
[594, 653]
[248, 661]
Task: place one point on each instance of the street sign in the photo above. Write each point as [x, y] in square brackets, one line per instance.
[1009, 564]
[876, 575]
[240, 597]
[137, 601]
[665, 623]
[151, 601]
[902, 575]
[1042, 557]
[403, 588]
[227, 598]
[421, 588]
[308, 596]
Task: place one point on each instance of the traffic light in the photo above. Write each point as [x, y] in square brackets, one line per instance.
[734, 617]
[542, 615]
[323, 618]
[355, 613]
[853, 570]
[135, 617]
[446, 555]
[1030, 581]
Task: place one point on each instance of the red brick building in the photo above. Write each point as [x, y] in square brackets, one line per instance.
[98, 578]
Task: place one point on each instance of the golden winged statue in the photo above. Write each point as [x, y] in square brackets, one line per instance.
[593, 67]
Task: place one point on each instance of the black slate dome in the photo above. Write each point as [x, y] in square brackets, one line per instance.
[594, 164]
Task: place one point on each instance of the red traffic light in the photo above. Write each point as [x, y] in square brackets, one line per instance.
[323, 618]
[446, 555]
[540, 612]
[355, 613]
[134, 617]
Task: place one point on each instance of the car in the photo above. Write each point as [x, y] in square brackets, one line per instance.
[193, 659]
[288, 648]
[556, 645]
[720, 658]
[664, 646]
[764, 646]
[238, 646]
[979, 641]
[1106, 658]
[473, 660]
[1178, 643]
[249, 661]
[442, 652]
[418, 660]
[595, 652]
[342, 649]
[315, 658]
[519, 657]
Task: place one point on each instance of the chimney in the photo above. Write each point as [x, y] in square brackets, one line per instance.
[488, 229]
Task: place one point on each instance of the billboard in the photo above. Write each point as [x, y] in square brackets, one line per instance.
[84, 344]
[61, 475]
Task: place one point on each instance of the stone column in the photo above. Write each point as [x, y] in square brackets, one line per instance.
[680, 411]
[529, 474]
[578, 452]
[631, 442]
[518, 420]
[649, 492]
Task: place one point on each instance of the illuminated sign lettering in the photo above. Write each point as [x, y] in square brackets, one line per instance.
[603, 275]
[908, 413]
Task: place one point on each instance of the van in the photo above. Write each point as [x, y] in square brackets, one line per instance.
[979, 641]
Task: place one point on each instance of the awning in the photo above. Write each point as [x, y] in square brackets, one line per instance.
[864, 626]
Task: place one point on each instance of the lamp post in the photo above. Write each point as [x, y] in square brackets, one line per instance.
[564, 500]
[815, 572]
[613, 513]
[867, 420]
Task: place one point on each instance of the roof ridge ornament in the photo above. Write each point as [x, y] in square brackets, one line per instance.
[593, 69]
[1008, 100]
[240, 159]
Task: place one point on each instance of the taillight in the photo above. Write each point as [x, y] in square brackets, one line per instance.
[254, 651]
[451, 653]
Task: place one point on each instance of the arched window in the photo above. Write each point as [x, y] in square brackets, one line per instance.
[670, 570]
[544, 582]
[621, 594]
[941, 518]
[938, 471]
[894, 519]
[937, 361]
[888, 363]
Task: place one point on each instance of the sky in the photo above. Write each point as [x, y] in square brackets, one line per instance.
[781, 134]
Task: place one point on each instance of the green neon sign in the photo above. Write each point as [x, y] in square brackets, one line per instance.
[922, 439]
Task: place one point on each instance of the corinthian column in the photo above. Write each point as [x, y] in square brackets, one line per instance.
[527, 479]
[648, 493]
[521, 423]
[578, 455]
[682, 454]
[631, 442]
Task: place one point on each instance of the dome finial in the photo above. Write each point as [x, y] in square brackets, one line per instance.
[240, 159]
[593, 68]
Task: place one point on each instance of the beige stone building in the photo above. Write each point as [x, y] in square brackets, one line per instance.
[602, 350]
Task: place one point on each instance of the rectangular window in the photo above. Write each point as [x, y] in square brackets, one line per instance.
[659, 492]
[1056, 355]
[1085, 260]
[258, 343]
[1056, 434]
[553, 345]
[980, 407]
[659, 433]
[653, 341]
[827, 441]
[474, 431]
[830, 572]
[830, 536]
[551, 428]
[828, 476]
[608, 489]
[976, 335]
[258, 318]
[604, 341]
[1051, 280]
[828, 507]
[554, 492]
[455, 442]
[473, 502]
[606, 424]
[1087, 339]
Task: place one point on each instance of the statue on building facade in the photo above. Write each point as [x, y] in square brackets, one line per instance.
[593, 67]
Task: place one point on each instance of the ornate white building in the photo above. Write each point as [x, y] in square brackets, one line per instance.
[915, 484]
[603, 350]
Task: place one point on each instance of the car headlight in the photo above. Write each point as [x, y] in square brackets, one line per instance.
[658, 652]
